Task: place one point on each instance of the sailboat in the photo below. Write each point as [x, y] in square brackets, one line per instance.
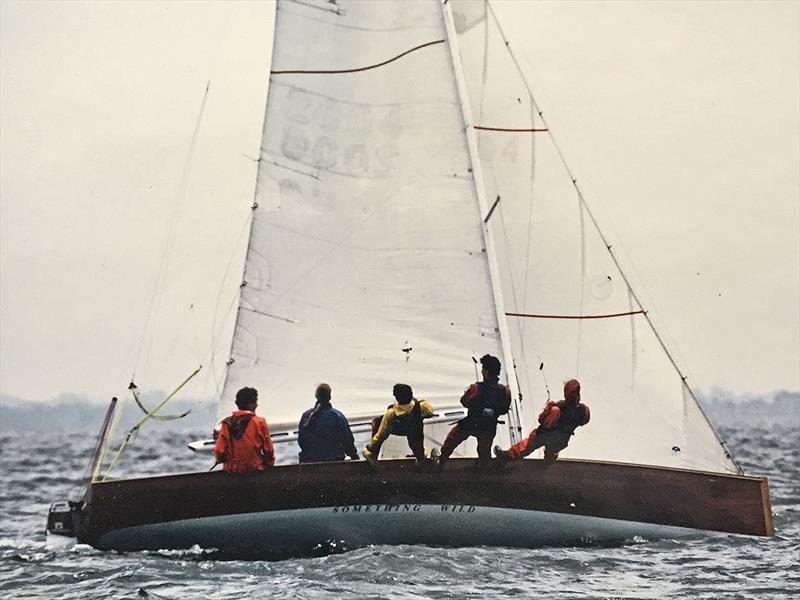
[413, 211]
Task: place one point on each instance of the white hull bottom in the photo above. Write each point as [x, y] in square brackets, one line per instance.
[348, 527]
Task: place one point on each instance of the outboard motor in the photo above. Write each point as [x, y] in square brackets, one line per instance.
[64, 518]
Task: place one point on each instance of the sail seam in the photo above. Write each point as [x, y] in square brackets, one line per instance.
[508, 129]
[609, 316]
[354, 70]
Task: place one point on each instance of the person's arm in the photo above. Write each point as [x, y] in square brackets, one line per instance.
[549, 415]
[302, 434]
[385, 427]
[469, 395]
[586, 414]
[221, 445]
[425, 409]
[267, 451]
[506, 401]
[349, 442]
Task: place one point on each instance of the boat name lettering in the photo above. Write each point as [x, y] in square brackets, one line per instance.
[365, 508]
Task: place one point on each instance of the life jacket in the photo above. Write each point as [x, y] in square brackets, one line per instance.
[571, 417]
[409, 424]
[492, 396]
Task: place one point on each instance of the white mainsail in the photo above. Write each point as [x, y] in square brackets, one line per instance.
[558, 265]
[367, 264]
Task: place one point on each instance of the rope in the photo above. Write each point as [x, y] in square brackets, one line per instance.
[355, 70]
[611, 316]
[144, 419]
[161, 272]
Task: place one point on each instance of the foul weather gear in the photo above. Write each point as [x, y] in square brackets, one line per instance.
[405, 420]
[557, 423]
[485, 402]
[244, 443]
[326, 436]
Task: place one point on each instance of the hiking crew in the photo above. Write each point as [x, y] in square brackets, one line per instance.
[324, 433]
[404, 417]
[485, 401]
[243, 443]
[557, 423]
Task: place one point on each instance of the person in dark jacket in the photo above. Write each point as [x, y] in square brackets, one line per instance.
[244, 443]
[557, 423]
[324, 433]
[485, 401]
[404, 417]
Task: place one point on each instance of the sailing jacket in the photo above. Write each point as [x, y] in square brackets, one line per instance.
[326, 437]
[399, 419]
[567, 415]
[485, 401]
[244, 443]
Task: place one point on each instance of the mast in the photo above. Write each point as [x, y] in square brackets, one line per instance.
[515, 426]
[253, 208]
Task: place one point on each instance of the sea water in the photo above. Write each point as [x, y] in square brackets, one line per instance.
[38, 469]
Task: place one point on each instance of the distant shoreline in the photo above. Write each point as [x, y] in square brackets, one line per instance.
[77, 414]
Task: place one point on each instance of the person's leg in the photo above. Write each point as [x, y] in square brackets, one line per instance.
[524, 447]
[555, 444]
[417, 446]
[454, 438]
[485, 439]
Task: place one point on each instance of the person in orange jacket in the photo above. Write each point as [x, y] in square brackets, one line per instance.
[557, 423]
[244, 443]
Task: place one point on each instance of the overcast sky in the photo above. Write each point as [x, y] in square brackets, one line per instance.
[680, 119]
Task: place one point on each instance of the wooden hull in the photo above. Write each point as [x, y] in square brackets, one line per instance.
[300, 509]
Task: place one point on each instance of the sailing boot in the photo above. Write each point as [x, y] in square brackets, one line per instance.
[436, 459]
[501, 455]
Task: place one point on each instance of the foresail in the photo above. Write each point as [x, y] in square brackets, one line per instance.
[366, 264]
[570, 310]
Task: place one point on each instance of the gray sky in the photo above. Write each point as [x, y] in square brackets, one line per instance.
[680, 119]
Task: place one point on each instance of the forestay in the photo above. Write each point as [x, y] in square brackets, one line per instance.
[558, 265]
[366, 264]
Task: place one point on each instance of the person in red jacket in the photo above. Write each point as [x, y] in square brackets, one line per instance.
[557, 423]
[244, 443]
[485, 402]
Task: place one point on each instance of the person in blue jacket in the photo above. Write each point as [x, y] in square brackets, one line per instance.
[324, 433]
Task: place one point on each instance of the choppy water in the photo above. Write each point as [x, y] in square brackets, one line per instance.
[37, 469]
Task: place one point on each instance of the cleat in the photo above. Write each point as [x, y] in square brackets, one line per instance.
[501, 455]
[369, 456]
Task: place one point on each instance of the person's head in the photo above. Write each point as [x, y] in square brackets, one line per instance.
[572, 391]
[490, 367]
[247, 398]
[402, 393]
[323, 393]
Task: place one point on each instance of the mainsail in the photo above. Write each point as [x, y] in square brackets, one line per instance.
[367, 263]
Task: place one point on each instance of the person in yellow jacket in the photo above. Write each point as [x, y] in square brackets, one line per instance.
[404, 417]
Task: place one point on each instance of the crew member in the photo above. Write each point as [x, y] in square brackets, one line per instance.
[324, 433]
[485, 401]
[557, 423]
[404, 417]
[244, 443]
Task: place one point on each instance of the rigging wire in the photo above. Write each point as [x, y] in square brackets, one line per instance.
[605, 241]
[154, 303]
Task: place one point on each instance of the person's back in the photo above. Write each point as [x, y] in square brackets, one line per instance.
[324, 433]
[244, 443]
[403, 418]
